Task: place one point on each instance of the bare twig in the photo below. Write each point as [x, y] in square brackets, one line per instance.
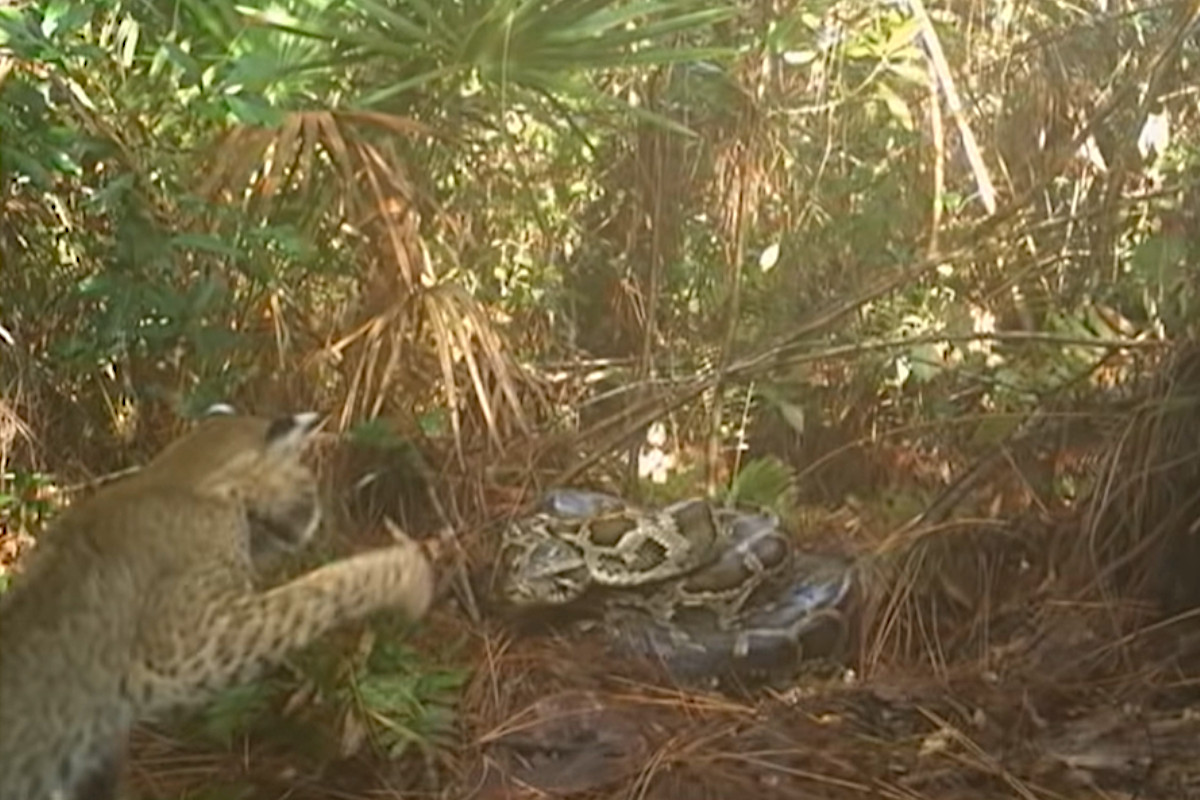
[941, 69]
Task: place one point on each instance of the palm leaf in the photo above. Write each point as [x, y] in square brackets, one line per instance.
[516, 44]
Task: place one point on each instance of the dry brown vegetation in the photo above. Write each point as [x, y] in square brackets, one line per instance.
[1021, 654]
[490, 295]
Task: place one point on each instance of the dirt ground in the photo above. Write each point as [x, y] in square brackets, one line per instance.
[1047, 654]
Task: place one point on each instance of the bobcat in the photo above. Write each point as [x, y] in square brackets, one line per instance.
[141, 599]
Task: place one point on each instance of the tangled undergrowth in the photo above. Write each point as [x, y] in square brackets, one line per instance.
[1048, 654]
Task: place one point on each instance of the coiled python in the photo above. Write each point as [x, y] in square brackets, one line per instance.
[709, 592]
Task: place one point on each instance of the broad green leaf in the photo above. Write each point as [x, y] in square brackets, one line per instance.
[114, 191]
[793, 415]
[914, 73]
[252, 111]
[764, 482]
[1158, 258]
[900, 37]
[925, 362]
[400, 87]
[19, 162]
[654, 30]
[895, 105]
[610, 17]
[54, 15]
[419, 33]
[375, 433]
[234, 709]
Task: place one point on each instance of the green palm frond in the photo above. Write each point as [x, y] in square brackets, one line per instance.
[414, 46]
[764, 483]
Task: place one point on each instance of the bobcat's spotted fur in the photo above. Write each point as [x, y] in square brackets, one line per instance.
[140, 599]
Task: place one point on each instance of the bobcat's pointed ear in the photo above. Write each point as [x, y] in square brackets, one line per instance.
[219, 410]
[291, 431]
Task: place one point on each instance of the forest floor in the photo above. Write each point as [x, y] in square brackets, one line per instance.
[1026, 655]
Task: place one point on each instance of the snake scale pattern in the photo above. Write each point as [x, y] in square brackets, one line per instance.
[711, 593]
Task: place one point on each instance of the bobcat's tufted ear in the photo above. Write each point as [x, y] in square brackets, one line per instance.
[219, 410]
[291, 431]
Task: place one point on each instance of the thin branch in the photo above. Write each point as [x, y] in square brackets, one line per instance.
[941, 68]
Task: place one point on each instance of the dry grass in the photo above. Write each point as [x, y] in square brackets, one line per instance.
[991, 658]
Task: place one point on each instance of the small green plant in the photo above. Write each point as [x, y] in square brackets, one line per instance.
[235, 710]
[403, 701]
[766, 483]
[25, 500]
[26, 503]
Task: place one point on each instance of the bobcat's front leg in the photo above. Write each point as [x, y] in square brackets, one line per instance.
[235, 641]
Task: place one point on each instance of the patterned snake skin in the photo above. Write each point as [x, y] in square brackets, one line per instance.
[710, 593]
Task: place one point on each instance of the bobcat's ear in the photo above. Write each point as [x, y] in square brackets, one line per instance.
[219, 410]
[291, 431]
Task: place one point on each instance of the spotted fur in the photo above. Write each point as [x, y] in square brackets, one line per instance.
[141, 600]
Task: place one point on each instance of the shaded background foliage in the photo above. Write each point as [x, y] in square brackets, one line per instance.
[401, 209]
[500, 241]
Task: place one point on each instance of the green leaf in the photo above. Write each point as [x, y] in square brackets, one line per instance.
[434, 422]
[896, 105]
[253, 111]
[609, 17]
[901, 37]
[388, 92]
[1159, 258]
[54, 16]
[432, 19]
[926, 362]
[206, 243]
[763, 483]
[913, 73]
[22, 163]
[375, 433]
[607, 101]
[653, 30]
[114, 191]
[233, 710]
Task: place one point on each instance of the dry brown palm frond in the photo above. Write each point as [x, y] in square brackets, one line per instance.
[453, 319]
[331, 165]
[406, 318]
[12, 428]
[17, 401]
[444, 324]
[746, 163]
